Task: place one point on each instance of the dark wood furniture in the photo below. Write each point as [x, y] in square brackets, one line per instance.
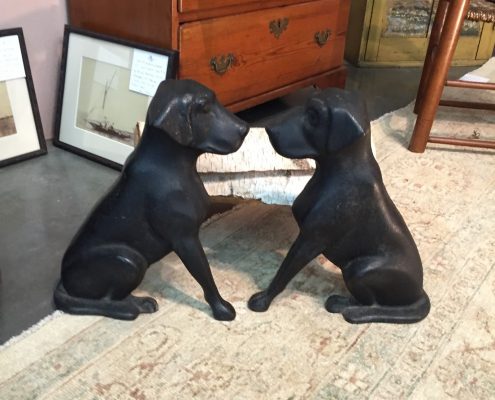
[444, 37]
[247, 51]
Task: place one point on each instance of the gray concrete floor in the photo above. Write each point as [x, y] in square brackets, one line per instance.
[44, 200]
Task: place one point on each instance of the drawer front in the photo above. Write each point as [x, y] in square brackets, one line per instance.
[245, 55]
[202, 5]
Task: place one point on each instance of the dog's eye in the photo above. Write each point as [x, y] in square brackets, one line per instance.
[312, 117]
[204, 105]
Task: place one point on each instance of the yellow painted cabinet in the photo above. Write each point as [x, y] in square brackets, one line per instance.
[396, 32]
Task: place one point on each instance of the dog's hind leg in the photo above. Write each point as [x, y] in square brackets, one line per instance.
[127, 309]
[390, 314]
[191, 252]
[302, 251]
[100, 282]
[381, 293]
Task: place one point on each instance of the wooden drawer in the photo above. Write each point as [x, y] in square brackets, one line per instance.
[260, 61]
[202, 5]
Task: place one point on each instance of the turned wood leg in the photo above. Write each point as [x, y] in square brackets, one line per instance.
[433, 89]
[431, 53]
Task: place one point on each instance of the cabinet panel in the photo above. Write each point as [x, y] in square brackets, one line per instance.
[145, 21]
[400, 32]
[407, 18]
[396, 32]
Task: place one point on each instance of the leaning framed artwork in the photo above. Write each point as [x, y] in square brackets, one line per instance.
[21, 133]
[106, 85]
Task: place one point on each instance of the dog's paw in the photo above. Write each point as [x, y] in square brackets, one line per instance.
[146, 305]
[223, 311]
[337, 304]
[259, 302]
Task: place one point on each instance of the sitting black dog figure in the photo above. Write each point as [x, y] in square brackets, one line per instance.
[155, 207]
[345, 213]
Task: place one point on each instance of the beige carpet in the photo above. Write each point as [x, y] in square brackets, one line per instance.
[297, 350]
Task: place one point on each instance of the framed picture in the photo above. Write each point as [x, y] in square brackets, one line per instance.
[106, 85]
[21, 133]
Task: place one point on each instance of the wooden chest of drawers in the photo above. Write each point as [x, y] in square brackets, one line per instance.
[247, 51]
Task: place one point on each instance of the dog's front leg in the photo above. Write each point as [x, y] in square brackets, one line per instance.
[191, 252]
[302, 251]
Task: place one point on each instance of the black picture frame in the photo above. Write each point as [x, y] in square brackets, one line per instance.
[25, 138]
[68, 134]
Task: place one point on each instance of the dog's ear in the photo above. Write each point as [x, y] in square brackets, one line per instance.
[348, 119]
[170, 112]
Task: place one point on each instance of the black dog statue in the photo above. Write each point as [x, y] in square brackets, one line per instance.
[346, 213]
[155, 207]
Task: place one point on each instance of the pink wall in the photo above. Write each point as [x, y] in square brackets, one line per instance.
[43, 24]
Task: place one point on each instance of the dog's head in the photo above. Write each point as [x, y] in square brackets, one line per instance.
[329, 122]
[190, 114]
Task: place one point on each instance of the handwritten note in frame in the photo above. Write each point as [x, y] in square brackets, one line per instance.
[11, 64]
[147, 71]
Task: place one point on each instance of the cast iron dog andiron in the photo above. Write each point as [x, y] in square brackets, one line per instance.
[155, 207]
[345, 213]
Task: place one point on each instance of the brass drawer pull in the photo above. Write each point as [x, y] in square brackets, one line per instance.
[277, 26]
[321, 38]
[221, 64]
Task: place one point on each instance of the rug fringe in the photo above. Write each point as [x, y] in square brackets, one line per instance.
[15, 339]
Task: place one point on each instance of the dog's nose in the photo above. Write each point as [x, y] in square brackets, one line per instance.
[243, 128]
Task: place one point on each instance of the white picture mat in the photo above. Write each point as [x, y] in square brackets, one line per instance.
[26, 139]
[82, 46]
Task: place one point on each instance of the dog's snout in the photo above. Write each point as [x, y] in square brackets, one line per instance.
[224, 131]
[287, 135]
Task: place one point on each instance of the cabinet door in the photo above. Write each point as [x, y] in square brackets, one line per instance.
[399, 32]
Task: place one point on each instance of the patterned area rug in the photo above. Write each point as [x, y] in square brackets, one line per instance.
[297, 350]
